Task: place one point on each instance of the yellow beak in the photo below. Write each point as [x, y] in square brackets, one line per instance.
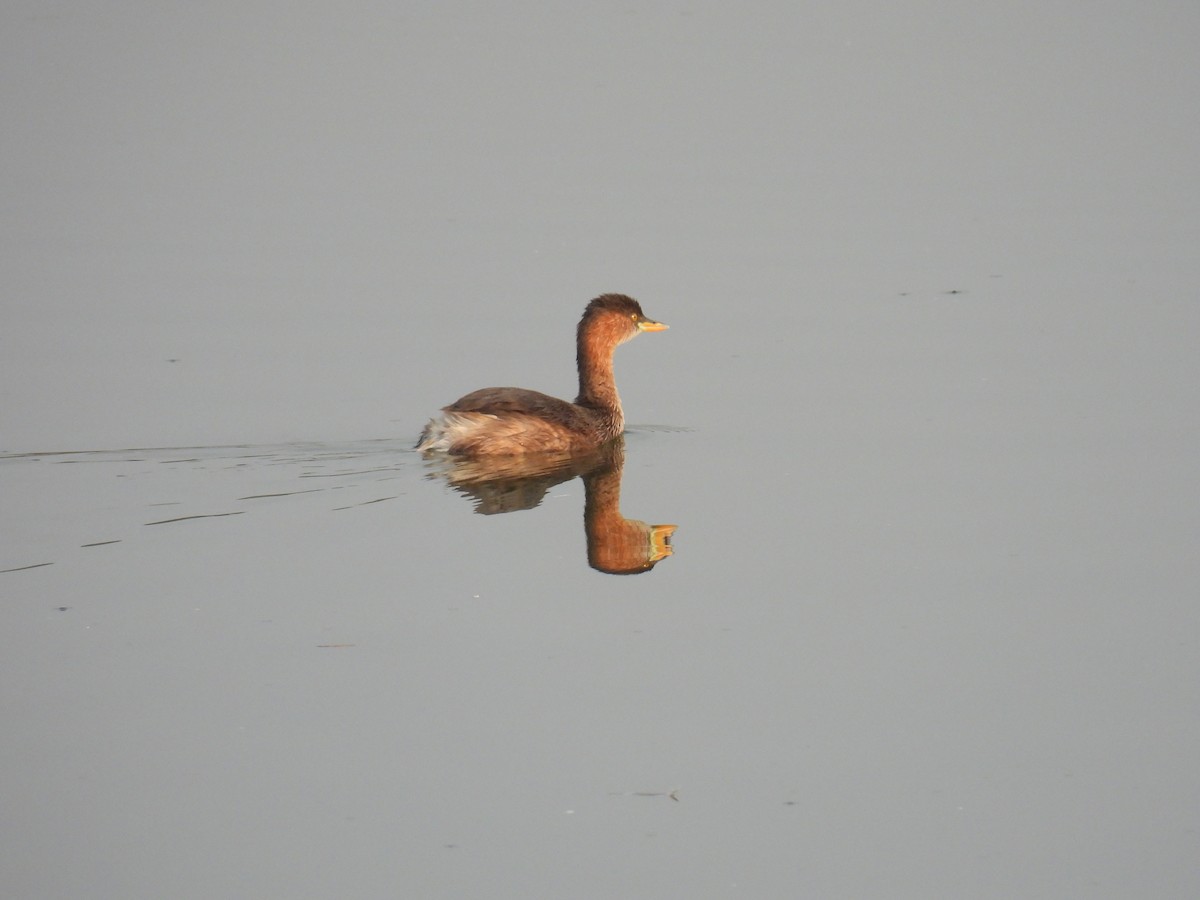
[651, 325]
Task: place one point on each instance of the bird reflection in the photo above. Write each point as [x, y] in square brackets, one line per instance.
[615, 545]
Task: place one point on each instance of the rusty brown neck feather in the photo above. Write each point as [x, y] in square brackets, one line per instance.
[594, 357]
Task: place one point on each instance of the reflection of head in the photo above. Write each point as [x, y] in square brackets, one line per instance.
[616, 545]
[630, 549]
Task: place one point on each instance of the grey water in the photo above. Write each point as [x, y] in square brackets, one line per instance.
[925, 423]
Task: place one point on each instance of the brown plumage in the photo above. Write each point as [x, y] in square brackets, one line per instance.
[509, 421]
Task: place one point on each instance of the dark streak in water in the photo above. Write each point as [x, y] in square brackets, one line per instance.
[101, 543]
[206, 516]
[674, 795]
[348, 472]
[364, 503]
[23, 568]
[281, 494]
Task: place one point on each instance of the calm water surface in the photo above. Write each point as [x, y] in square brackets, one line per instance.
[924, 424]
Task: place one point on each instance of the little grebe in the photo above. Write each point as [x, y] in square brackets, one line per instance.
[509, 421]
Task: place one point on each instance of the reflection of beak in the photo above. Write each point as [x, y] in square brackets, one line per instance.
[660, 536]
[651, 325]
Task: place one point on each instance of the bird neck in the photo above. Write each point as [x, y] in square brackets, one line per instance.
[597, 387]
